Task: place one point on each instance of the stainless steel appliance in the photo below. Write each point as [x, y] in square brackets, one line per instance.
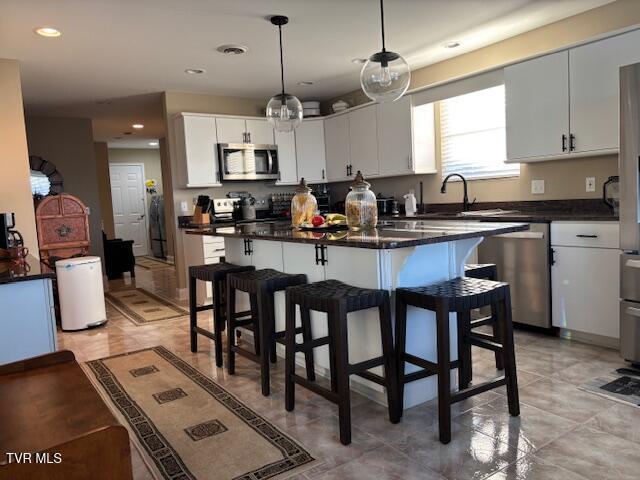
[628, 169]
[385, 205]
[248, 208]
[223, 209]
[248, 161]
[522, 259]
[9, 237]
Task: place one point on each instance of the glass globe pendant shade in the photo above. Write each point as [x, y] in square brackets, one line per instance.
[284, 112]
[385, 77]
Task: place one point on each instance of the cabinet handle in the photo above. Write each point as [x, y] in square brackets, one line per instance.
[347, 170]
[410, 163]
[323, 174]
[635, 312]
[572, 142]
[249, 136]
[564, 142]
[279, 175]
[321, 251]
[632, 263]
[244, 137]
[582, 235]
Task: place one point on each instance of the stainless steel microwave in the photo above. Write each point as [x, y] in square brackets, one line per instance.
[248, 161]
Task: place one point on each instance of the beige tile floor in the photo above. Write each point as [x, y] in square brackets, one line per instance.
[562, 432]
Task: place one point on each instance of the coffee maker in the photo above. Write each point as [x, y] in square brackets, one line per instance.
[9, 237]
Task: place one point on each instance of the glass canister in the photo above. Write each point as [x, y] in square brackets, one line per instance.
[361, 206]
[303, 206]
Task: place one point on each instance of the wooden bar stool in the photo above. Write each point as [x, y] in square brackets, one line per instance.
[460, 295]
[261, 286]
[215, 273]
[338, 299]
[487, 271]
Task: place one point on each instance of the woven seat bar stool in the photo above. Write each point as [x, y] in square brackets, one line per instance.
[216, 274]
[460, 295]
[487, 271]
[261, 286]
[338, 299]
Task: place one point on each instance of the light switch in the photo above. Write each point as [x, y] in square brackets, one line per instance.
[537, 187]
[590, 184]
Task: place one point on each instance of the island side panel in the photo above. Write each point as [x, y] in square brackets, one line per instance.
[424, 265]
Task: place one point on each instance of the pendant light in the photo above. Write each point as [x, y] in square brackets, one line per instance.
[284, 111]
[385, 76]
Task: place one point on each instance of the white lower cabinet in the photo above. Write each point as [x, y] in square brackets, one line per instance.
[585, 280]
[202, 250]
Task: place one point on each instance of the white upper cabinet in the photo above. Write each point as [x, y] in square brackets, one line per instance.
[287, 164]
[537, 107]
[594, 87]
[231, 130]
[259, 132]
[406, 138]
[337, 145]
[310, 151]
[240, 130]
[196, 150]
[363, 144]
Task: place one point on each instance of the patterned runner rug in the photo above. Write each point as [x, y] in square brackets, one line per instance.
[187, 426]
[151, 263]
[143, 307]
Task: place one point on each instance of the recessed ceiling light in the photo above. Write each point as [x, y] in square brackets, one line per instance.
[359, 60]
[306, 83]
[47, 32]
[233, 49]
[451, 44]
[194, 71]
[153, 144]
[127, 133]
[138, 126]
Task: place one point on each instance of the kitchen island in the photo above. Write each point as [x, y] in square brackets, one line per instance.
[396, 254]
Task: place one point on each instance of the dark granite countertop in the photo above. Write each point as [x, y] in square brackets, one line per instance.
[515, 216]
[537, 211]
[32, 269]
[389, 234]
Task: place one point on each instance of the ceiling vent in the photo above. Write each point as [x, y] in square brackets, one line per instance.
[232, 49]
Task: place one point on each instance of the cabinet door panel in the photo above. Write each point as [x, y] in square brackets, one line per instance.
[337, 143]
[260, 132]
[198, 134]
[363, 144]
[287, 162]
[594, 89]
[394, 137]
[310, 151]
[585, 290]
[537, 106]
[230, 130]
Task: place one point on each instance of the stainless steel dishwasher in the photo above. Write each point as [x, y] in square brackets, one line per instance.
[523, 261]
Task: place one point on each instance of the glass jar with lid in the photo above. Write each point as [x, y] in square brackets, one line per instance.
[303, 206]
[361, 207]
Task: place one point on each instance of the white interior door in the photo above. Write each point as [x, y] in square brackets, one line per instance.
[129, 205]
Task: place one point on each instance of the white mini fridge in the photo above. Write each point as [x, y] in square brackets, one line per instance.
[81, 293]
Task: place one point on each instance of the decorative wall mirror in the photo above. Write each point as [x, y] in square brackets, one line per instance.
[45, 178]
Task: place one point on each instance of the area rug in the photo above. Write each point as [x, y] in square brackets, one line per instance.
[622, 385]
[143, 307]
[186, 426]
[151, 263]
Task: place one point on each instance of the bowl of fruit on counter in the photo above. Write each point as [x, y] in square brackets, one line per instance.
[329, 222]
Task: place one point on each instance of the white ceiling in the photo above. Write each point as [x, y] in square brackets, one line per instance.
[111, 49]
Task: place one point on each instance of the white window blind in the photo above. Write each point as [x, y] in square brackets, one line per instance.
[472, 135]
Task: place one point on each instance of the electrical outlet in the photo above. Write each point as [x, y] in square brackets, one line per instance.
[184, 207]
[537, 187]
[590, 184]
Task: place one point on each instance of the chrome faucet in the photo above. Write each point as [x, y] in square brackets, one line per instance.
[466, 206]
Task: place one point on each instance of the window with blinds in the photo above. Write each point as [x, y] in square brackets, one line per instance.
[472, 135]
